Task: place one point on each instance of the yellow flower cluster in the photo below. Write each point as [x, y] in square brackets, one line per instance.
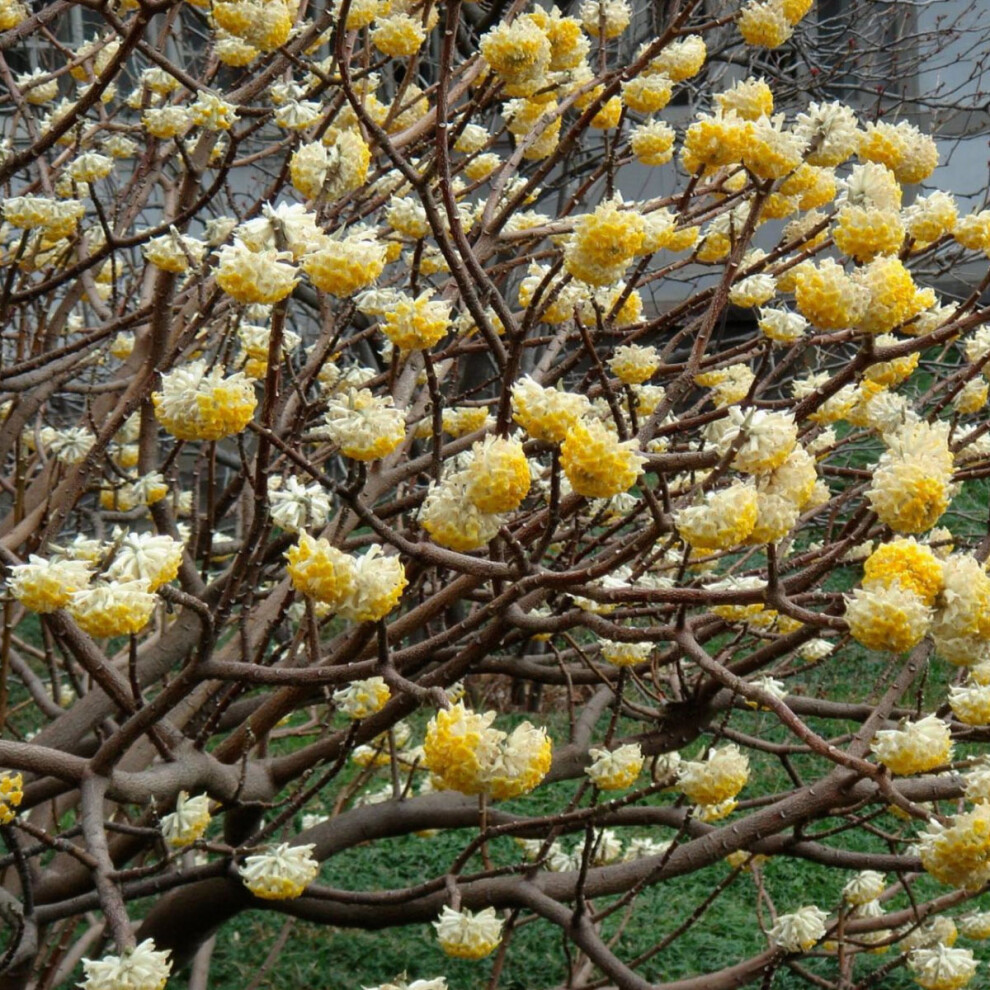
[196, 404]
[45, 585]
[416, 324]
[912, 481]
[958, 854]
[603, 244]
[915, 747]
[596, 462]
[362, 698]
[614, 770]
[907, 563]
[723, 520]
[11, 795]
[343, 266]
[468, 755]
[887, 618]
[546, 414]
[141, 968]
[188, 822]
[366, 426]
[468, 935]
[117, 609]
[498, 477]
[262, 24]
[364, 589]
[280, 874]
[716, 779]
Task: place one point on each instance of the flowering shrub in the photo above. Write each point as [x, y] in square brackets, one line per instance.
[373, 365]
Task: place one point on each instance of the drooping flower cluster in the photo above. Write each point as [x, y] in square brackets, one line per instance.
[281, 873]
[364, 589]
[468, 755]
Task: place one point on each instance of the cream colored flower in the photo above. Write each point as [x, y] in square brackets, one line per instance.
[145, 557]
[915, 747]
[799, 931]
[281, 873]
[140, 968]
[468, 935]
[362, 698]
[613, 770]
[188, 822]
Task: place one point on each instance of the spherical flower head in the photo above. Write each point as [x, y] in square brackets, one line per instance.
[800, 930]
[647, 94]
[975, 926]
[908, 563]
[970, 703]
[281, 873]
[518, 53]
[188, 822]
[399, 35]
[461, 747]
[11, 795]
[498, 477]
[467, 935]
[45, 585]
[416, 324]
[729, 385]
[958, 854]
[345, 266]
[768, 438]
[624, 654]
[755, 290]
[175, 252]
[167, 122]
[863, 233]
[614, 770]
[772, 152]
[140, 968]
[196, 404]
[321, 571]
[232, 50]
[909, 493]
[362, 698]
[546, 414]
[146, 557]
[653, 143]
[930, 217]
[828, 297]
[972, 397]
[719, 777]
[118, 609]
[866, 886]
[971, 232]
[453, 520]
[523, 761]
[714, 140]
[254, 276]
[893, 296]
[964, 603]
[294, 506]
[782, 326]
[366, 426]
[748, 98]
[916, 747]
[378, 583]
[942, 967]
[568, 44]
[603, 244]
[764, 25]
[596, 463]
[308, 168]
[615, 14]
[634, 364]
[722, 521]
[263, 25]
[890, 619]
